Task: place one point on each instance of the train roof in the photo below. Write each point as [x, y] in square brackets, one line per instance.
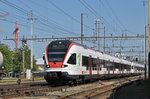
[66, 41]
[69, 42]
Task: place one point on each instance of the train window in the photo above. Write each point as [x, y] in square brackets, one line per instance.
[128, 67]
[125, 66]
[85, 61]
[106, 64]
[87, 68]
[121, 66]
[100, 68]
[59, 45]
[116, 65]
[93, 68]
[94, 61]
[72, 59]
[132, 67]
[101, 63]
[56, 55]
[111, 65]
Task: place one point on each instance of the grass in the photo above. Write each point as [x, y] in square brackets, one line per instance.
[7, 79]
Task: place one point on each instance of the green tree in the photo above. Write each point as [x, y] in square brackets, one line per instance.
[7, 54]
[16, 59]
[28, 61]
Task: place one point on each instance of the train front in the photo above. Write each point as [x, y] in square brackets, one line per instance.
[55, 56]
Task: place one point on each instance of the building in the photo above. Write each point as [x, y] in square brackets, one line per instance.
[40, 63]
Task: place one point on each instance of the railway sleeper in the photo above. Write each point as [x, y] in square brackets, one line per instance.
[3, 92]
[27, 93]
[1, 89]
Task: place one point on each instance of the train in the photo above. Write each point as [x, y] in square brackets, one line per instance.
[67, 61]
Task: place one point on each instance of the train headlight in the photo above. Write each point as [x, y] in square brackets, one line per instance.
[47, 66]
[64, 66]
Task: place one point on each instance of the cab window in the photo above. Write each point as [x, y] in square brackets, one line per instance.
[72, 59]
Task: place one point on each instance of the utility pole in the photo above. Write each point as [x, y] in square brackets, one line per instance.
[98, 22]
[31, 19]
[104, 38]
[81, 28]
[121, 45]
[12, 59]
[94, 40]
[96, 29]
[23, 45]
[31, 40]
[112, 42]
[149, 40]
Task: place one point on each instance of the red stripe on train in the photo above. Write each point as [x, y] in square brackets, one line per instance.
[55, 64]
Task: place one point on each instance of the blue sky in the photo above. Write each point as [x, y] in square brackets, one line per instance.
[61, 18]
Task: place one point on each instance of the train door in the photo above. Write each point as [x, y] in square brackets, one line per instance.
[119, 68]
[98, 65]
[132, 68]
[113, 67]
[122, 68]
[90, 65]
[108, 67]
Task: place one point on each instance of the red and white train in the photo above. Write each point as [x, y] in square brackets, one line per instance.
[68, 61]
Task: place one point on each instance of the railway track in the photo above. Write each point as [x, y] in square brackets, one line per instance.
[30, 91]
[44, 89]
[101, 92]
[27, 89]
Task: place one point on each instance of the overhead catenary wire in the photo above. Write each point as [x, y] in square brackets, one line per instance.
[88, 7]
[40, 18]
[73, 18]
[115, 15]
[50, 23]
[111, 20]
[21, 10]
[103, 20]
[26, 26]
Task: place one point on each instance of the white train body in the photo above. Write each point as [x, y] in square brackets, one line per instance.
[71, 61]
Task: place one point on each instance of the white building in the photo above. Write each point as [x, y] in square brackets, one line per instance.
[40, 63]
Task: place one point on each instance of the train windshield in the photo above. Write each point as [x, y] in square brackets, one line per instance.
[57, 51]
[56, 55]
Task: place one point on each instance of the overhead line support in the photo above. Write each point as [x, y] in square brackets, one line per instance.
[149, 39]
[84, 38]
[81, 28]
